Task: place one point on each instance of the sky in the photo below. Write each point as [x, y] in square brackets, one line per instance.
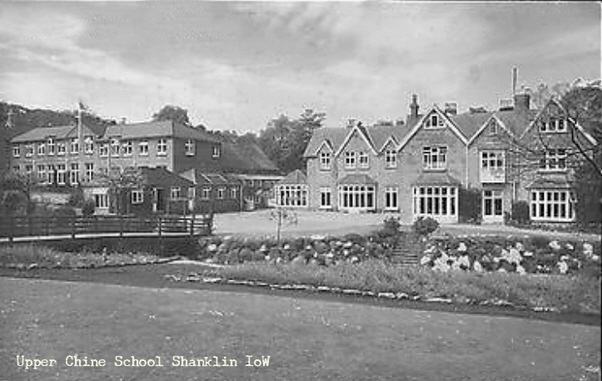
[237, 65]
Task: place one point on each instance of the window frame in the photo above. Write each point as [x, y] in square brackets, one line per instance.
[350, 160]
[137, 196]
[543, 205]
[190, 147]
[390, 159]
[438, 152]
[325, 195]
[162, 147]
[325, 158]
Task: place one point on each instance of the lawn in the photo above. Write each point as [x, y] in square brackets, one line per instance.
[305, 339]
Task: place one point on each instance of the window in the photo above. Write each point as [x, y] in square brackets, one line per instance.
[61, 148]
[221, 192]
[16, 151]
[115, 147]
[50, 173]
[493, 128]
[89, 172]
[356, 197]
[553, 125]
[216, 152]
[391, 202]
[390, 159]
[128, 148]
[325, 159]
[552, 205]
[137, 196]
[175, 193]
[190, 147]
[28, 169]
[191, 193]
[51, 146]
[206, 194]
[41, 169]
[89, 145]
[233, 193]
[435, 201]
[554, 160]
[74, 146]
[363, 159]
[101, 200]
[41, 149]
[143, 148]
[434, 157]
[61, 174]
[104, 150]
[162, 147]
[292, 195]
[74, 174]
[434, 121]
[350, 160]
[492, 160]
[29, 150]
[325, 198]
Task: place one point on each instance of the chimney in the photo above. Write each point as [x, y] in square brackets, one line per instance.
[522, 102]
[413, 116]
[451, 108]
[351, 122]
[506, 105]
[123, 120]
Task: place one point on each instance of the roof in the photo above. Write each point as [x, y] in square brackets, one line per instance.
[43, 133]
[295, 177]
[357, 178]
[436, 178]
[245, 156]
[377, 136]
[163, 177]
[199, 177]
[158, 129]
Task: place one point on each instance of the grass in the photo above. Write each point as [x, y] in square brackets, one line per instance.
[44, 257]
[305, 339]
[569, 294]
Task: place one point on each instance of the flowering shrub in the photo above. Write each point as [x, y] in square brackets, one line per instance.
[424, 226]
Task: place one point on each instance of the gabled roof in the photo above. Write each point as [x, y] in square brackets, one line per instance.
[295, 177]
[334, 136]
[419, 125]
[163, 128]
[244, 156]
[43, 133]
[361, 131]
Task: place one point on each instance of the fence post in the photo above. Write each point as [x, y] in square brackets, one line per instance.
[73, 227]
[192, 226]
[11, 224]
[120, 226]
[29, 225]
[159, 231]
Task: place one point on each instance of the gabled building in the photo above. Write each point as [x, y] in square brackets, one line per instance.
[419, 168]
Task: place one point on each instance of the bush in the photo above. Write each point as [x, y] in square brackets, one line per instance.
[88, 208]
[520, 212]
[469, 201]
[391, 226]
[64, 211]
[425, 225]
[76, 198]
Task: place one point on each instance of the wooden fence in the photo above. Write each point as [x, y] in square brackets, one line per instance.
[12, 227]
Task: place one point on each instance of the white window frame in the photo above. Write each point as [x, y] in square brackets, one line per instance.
[325, 198]
[29, 149]
[435, 201]
[357, 197]
[61, 174]
[41, 171]
[390, 159]
[103, 150]
[89, 172]
[74, 146]
[191, 193]
[190, 147]
[350, 160]
[434, 158]
[50, 173]
[434, 121]
[16, 150]
[493, 197]
[61, 148]
[325, 160]
[364, 160]
[74, 173]
[175, 193]
[233, 192]
[391, 198]
[89, 145]
[41, 151]
[206, 193]
[162, 147]
[554, 160]
[554, 126]
[216, 152]
[549, 205]
[29, 169]
[221, 193]
[137, 196]
[128, 148]
[143, 148]
[101, 200]
[114, 147]
[51, 144]
[292, 195]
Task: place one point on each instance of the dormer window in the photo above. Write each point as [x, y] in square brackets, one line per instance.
[51, 146]
[74, 145]
[189, 146]
[434, 121]
[553, 125]
[216, 152]
[89, 145]
[325, 160]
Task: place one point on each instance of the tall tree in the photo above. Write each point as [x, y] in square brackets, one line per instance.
[173, 113]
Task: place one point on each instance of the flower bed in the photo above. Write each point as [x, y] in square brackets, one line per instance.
[534, 255]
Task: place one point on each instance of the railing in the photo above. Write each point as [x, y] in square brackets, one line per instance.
[28, 226]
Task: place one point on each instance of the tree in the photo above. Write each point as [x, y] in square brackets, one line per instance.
[15, 191]
[120, 183]
[174, 113]
[285, 139]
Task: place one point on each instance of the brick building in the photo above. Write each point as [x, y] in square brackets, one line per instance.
[418, 168]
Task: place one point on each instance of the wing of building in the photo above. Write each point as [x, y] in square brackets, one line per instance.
[420, 168]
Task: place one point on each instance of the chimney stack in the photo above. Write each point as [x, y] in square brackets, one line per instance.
[451, 108]
[413, 116]
[123, 120]
[522, 102]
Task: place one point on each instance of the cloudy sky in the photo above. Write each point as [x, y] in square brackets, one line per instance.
[236, 65]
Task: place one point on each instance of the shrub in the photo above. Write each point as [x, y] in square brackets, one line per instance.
[469, 201]
[64, 211]
[424, 226]
[391, 226]
[88, 208]
[76, 198]
[520, 212]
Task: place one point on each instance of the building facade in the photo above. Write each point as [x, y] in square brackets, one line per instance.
[421, 167]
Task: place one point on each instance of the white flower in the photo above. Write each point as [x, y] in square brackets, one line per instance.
[563, 267]
[554, 245]
[528, 254]
[569, 246]
[521, 270]
[588, 249]
[424, 260]
[462, 247]
[519, 246]
[477, 267]
[212, 247]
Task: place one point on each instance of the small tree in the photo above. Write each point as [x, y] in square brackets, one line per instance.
[120, 184]
[282, 217]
